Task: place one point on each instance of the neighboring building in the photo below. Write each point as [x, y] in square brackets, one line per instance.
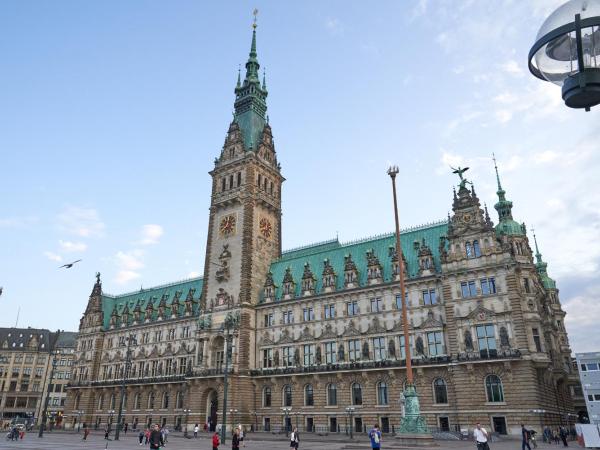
[25, 366]
[319, 328]
[63, 353]
[589, 372]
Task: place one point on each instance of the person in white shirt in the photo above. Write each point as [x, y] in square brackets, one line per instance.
[481, 437]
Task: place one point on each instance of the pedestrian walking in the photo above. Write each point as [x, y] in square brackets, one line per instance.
[196, 429]
[524, 438]
[375, 436]
[141, 436]
[556, 436]
[563, 435]
[481, 437]
[216, 441]
[86, 432]
[106, 433]
[125, 428]
[235, 440]
[241, 435]
[147, 435]
[156, 439]
[294, 439]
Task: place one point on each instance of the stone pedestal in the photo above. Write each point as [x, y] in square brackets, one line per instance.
[411, 440]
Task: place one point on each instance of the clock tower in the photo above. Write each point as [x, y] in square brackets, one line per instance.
[244, 230]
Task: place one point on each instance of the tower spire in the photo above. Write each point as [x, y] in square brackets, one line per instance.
[506, 224]
[497, 176]
[542, 266]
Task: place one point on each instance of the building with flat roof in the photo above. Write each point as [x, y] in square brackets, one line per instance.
[589, 373]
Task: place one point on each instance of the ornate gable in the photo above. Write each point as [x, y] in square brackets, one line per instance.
[480, 314]
[328, 333]
[430, 322]
[285, 337]
[376, 326]
[306, 335]
[265, 340]
[351, 330]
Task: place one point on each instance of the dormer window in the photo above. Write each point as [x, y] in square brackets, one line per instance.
[289, 287]
[328, 275]
[308, 280]
[350, 272]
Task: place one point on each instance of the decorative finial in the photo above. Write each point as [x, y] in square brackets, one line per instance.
[463, 181]
[98, 277]
[254, 13]
[239, 80]
[497, 176]
[264, 84]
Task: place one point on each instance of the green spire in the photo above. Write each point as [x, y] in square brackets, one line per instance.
[506, 224]
[542, 267]
[250, 99]
[239, 81]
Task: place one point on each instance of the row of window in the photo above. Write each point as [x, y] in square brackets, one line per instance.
[429, 297]
[231, 181]
[154, 368]
[589, 367]
[469, 288]
[170, 335]
[27, 371]
[594, 397]
[493, 389]
[165, 401]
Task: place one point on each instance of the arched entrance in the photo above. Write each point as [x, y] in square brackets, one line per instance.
[212, 407]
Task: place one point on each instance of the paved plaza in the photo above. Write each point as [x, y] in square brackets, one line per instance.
[55, 441]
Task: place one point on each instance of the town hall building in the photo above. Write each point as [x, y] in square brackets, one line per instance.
[315, 330]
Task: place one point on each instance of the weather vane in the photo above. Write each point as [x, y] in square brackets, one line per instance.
[254, 13]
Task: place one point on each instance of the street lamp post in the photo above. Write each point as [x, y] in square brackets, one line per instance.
[286, 411]
[233, 412]
[413, 422]
[79, 414]
[350, 413]
[111, 413]
[229, 328]
[130, 340]
[47, 399]
[187, 415]
[541, 412]
[567, 52]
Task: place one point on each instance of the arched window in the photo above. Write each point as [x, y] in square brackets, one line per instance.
[112, 402]
[77, 399]
[287, 395]
[309, 399]
[179, 400]
[440, 391]
[165, 400]
[469, 250]
[267, 397]
[239, 179]
[356, 394]
[136, 401]
[493, 389]
[151, 400]
[476, 249]
[101, 402]
[382, 393]
[331, 395]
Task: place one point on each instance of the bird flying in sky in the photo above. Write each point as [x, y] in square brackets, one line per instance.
[68, 266]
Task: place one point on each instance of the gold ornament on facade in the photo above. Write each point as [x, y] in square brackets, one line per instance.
[227, 225]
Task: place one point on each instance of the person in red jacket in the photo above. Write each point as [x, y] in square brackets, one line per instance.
[216, 441]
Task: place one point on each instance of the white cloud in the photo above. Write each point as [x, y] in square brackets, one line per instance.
[150, 234]
[53, 256]
[125, 276]
[193, 274]
[83, 222]
[503, 115]
[17, 222]
[334, 26]
[581, 320]
[68, 246]
[547, 156]
[513, 68]
[420, 9]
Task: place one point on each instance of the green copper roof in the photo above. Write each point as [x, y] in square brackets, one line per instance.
[335, 252]
[542, 268]
[250, 101]
[144, 296]
[506, 224]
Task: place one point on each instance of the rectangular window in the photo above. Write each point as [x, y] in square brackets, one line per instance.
[308, 314]
[352, 308]
[288, 317]
[468, 289]
[488, 286]
[376, 304]
[536, 339]
[268, 357]
[435, 342]
[268, 320]
[597, 397]
[429, 297]
[330, 352]
[329, 311]
[309, 355]
[288, 356]
[486, 340]
[379, 349]
[354, 350]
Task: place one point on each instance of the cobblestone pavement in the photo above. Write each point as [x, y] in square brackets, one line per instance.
[56, 441]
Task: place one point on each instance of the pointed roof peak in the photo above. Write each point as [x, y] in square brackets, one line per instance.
[538, 255]
[497, 176]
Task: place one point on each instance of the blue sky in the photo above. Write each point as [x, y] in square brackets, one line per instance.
[112, 112]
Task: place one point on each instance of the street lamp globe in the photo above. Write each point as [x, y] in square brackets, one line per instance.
[566, 52]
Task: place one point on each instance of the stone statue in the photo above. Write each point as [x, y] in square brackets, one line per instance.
[504, 337]
[297, 357]
[276, 358]
[420, 347]
[365, 350]
[318, 357]
[341, 356]
[468, 341]
[459, 171]
[392, 348]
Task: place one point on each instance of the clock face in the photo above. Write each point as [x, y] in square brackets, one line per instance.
[227, 225]
[466, 218]
[265, 227]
